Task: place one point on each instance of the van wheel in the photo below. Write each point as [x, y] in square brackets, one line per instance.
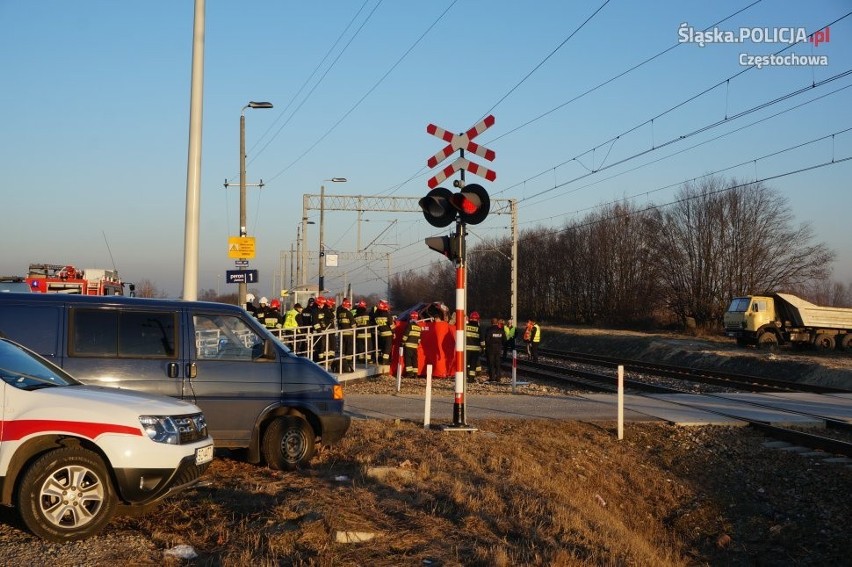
[66, 495]
[288, 443]
[846, 343]
[824, 342]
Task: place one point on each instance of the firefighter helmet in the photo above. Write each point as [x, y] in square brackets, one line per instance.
[330, 301]
[383, 304]
[346, 303]
[249, 297]
[474, 316]
[414, 316]
[275, 304]
[320, 301]
[263, 301]
[362, 303]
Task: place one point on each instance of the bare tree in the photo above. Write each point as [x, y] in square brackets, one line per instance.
[147, 288]
[723, 239]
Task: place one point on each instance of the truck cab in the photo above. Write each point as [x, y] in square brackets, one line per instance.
[748, 317]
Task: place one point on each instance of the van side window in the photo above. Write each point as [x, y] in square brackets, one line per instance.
[100, 332]
[28, 324]
[225, 337]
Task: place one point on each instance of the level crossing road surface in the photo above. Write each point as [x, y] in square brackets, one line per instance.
[680, 409]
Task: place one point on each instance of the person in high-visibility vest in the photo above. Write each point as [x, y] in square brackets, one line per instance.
[532, 335]
[508, 338]
[291, 326]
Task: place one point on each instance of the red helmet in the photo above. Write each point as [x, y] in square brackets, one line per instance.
[320, 300]
[383, 304]
[330, 301]
[275, 304]
[346, 303]
[362, 303]
[474, 316]
[414, 316]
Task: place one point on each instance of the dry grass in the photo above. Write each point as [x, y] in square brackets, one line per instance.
[512, 493]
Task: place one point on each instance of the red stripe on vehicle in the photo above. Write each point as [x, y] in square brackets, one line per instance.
[18, 429]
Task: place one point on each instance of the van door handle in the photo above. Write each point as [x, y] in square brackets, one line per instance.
[191, 370]
[172, 370]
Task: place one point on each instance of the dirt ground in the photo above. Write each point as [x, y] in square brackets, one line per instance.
[524, 492]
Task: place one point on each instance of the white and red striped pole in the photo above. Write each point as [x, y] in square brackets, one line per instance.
[458, 403]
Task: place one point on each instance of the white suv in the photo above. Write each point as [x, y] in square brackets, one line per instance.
[71, 455]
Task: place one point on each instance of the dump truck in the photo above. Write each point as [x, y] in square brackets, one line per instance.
[783, 318]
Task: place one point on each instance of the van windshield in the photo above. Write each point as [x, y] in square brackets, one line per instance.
[27, 371]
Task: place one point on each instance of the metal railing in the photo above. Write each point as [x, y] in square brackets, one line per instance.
[326, 348]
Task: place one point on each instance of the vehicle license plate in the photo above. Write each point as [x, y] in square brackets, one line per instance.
[203, 455]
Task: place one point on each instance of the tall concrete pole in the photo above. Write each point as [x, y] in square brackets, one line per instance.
[193, 161]
[241, 297]
[321, 282]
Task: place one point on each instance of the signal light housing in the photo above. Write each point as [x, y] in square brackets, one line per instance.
[441, 206]
[473, 203]
[449, 246]
[437, 208]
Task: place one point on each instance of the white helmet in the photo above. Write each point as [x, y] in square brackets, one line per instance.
[249, 297]
[263, 301]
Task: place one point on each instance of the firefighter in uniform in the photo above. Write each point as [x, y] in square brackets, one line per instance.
[346, 324]
[473, 345]
[410, 342]
[331, 338]
[382, 320]
[250, 304]
[363, 336]
[318, 326]
[271, 317]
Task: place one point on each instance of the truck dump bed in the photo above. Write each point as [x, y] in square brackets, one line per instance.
[803, 313]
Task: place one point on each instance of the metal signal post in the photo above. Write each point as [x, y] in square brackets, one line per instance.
[469, 206]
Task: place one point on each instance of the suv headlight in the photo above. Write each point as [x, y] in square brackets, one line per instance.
[161, 429]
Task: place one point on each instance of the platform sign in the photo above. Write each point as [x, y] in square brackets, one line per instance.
[241, 247]
[241, 276]
[241, 263]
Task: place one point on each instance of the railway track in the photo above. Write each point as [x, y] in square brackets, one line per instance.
[739, 382]
[588, 378]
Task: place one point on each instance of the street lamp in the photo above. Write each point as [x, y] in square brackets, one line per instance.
[241, 299]
[322, 232]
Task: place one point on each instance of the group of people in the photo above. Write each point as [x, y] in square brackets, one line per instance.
[496, 342]
[357, 326]
[323, 314]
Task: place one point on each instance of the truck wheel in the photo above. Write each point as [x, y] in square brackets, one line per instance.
[66, 495]
[824, 342]
[288, 443]
[846, 343]
[767, 341]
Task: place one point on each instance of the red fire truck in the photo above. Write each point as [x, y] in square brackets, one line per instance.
[59, 278]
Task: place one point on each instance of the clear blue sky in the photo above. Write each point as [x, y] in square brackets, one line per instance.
[95, 121]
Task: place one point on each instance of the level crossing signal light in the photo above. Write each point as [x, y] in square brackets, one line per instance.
[449, 246]
[441, 206]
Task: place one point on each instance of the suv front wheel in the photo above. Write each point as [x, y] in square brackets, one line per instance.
[288, 443]
[66, 495]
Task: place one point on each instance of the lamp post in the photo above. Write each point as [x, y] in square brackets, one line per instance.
[241, 299]
[322, 233]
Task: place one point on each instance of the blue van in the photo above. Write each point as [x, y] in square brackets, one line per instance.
[255, 393]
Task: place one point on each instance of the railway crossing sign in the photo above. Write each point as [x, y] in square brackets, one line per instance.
[461, 142]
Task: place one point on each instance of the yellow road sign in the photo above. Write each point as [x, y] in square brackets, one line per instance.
[241, 247]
